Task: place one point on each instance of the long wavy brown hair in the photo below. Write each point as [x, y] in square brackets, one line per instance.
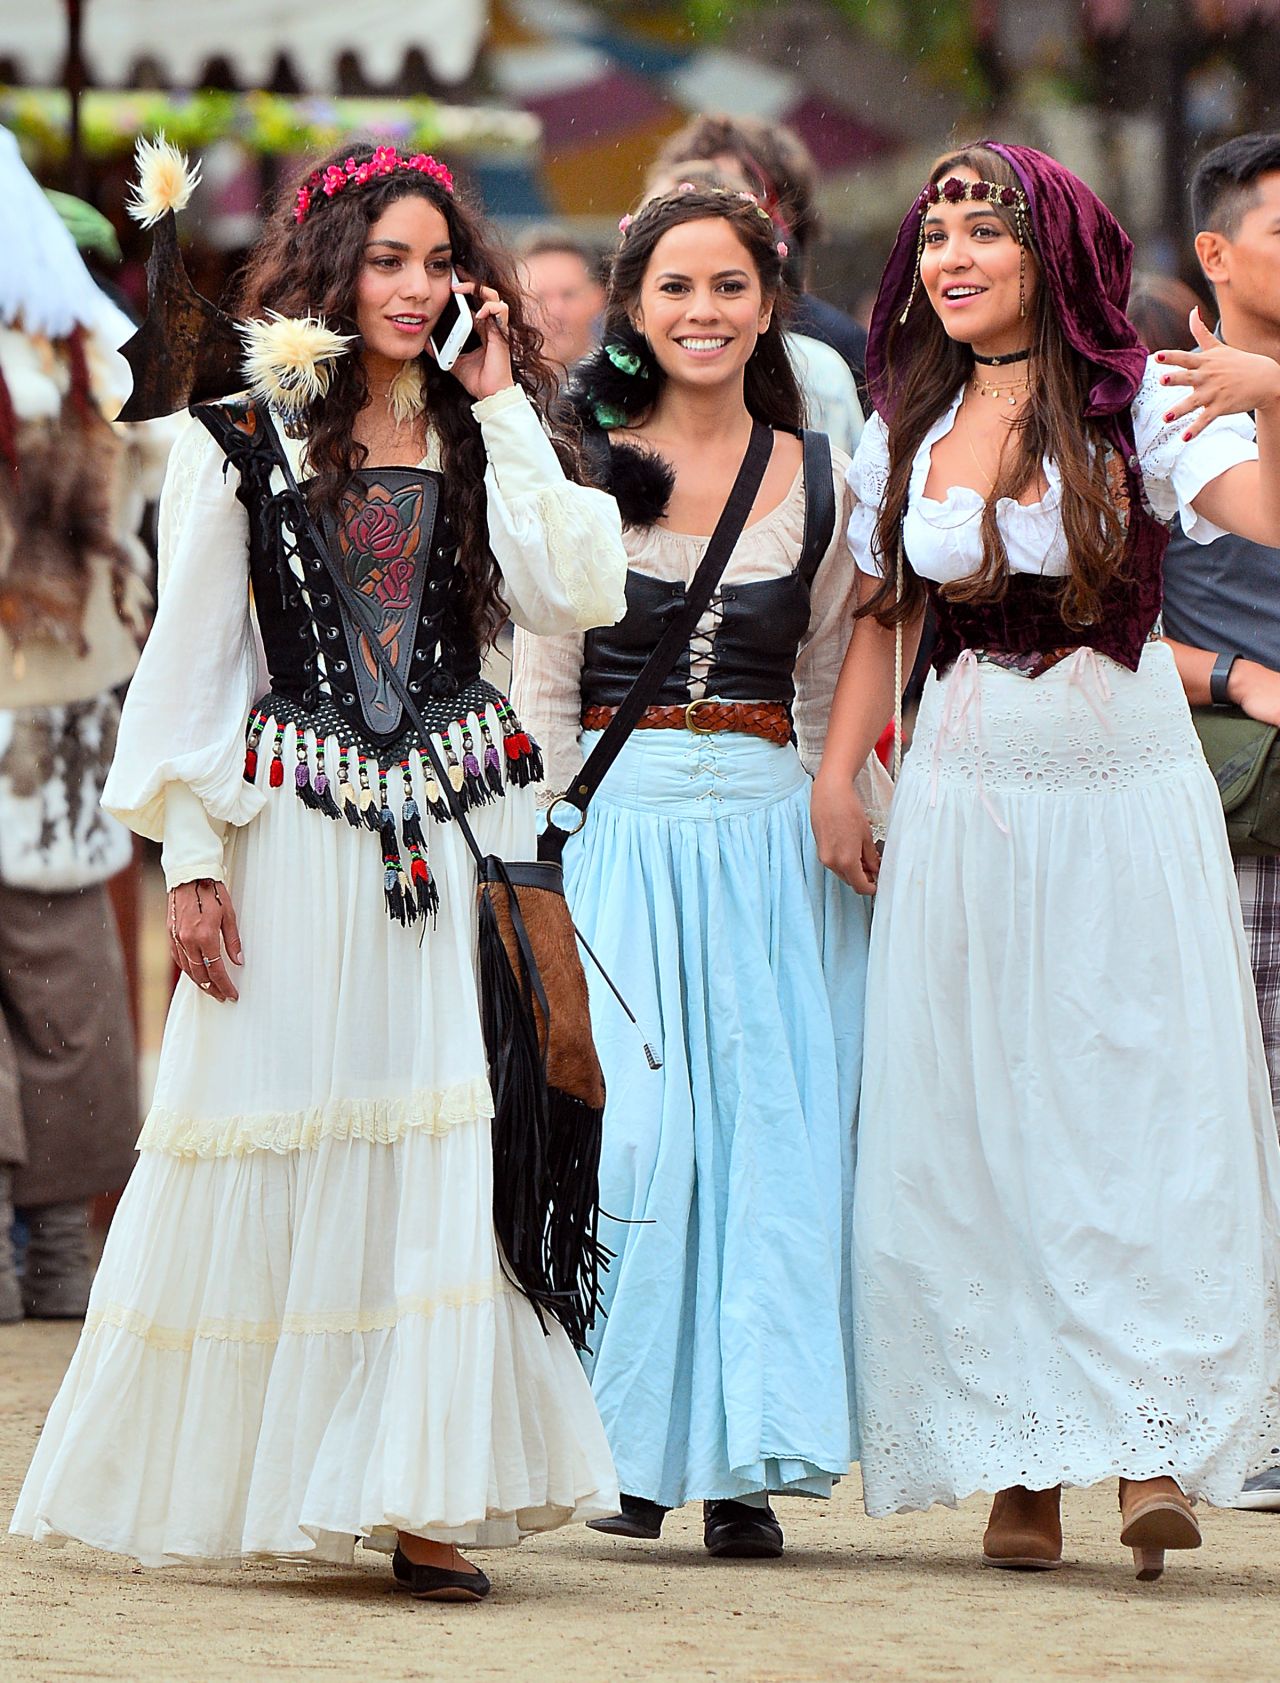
[925, 370]
[770, 390]
[313, 268]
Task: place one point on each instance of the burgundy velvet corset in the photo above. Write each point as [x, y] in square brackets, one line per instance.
[1028, 618]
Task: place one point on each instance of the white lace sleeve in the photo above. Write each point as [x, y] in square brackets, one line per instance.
[558, 545]
[868, 476]
[1175, 472]
[184, 715]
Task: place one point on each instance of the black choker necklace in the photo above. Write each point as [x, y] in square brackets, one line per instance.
[1002, 361]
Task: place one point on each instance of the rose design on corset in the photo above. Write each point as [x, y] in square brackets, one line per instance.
[378, 530]
[392, 586]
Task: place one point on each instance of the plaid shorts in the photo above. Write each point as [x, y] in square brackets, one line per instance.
[1259, 881]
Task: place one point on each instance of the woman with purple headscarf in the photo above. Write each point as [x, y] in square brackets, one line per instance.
[1067, 1217]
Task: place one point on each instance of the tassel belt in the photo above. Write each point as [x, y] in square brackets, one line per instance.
[770, 720]
[479, 774]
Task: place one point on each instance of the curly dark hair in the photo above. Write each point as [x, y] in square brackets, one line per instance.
[770, 388]
[313, 268]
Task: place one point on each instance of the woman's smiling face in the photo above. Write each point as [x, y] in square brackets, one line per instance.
[404, 281]
[701, 305]
[976, 275]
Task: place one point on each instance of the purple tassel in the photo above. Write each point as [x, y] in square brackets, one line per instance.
[493, 769]
[324, 800]
[477, 791]
[302, 786]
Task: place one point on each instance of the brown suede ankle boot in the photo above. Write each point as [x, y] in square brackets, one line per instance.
[1025, 1529]
[1155, 1515]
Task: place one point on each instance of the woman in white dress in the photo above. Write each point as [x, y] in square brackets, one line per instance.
[1067, 1213]
[302, 1333]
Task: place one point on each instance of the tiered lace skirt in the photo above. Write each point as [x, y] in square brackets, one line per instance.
[300, 1334]
[1067, 1219]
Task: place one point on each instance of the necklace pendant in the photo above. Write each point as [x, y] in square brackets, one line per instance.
[1013, 402]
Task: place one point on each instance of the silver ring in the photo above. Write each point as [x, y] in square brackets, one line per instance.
[207, 961]
[205, 986]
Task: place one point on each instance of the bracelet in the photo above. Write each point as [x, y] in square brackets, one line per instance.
[1218, 679]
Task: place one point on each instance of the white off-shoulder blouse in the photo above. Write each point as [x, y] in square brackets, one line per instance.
[558, 546]
[944, 539]
[546, 688]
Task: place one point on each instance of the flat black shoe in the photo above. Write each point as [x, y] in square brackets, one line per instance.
[436, 1583]
[639, 1518]
[736, 1530]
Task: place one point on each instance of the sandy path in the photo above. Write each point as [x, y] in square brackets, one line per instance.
[897, 1599]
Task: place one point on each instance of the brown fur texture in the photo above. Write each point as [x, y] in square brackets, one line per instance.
[57, 512]
[572, 1064]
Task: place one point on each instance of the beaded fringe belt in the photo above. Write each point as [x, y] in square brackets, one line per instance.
[767, 719]
[479, 775]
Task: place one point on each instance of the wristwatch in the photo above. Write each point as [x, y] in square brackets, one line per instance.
[1218, 679]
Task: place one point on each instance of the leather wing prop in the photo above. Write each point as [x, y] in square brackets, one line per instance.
[187, 350]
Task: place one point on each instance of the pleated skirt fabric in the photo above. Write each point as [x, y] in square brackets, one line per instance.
[1067, 1221]
[722, 1366]
[301, 1335]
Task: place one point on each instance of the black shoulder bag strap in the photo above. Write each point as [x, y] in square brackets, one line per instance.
[819, 503]
[671, 644]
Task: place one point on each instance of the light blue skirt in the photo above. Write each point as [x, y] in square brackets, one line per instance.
[723, 1366]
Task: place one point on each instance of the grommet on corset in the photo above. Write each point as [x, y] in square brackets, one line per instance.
[331, 632]
[415, 687]
[324, 601]
[339, 666]
[348, 701]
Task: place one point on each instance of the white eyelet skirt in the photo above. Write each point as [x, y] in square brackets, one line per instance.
[1067, 1210]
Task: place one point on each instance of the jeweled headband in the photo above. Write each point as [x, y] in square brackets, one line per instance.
[954, 191]
[385, 161]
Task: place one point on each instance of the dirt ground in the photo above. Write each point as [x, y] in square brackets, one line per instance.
[852, 1599]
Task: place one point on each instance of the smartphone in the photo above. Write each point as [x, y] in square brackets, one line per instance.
[454, 335]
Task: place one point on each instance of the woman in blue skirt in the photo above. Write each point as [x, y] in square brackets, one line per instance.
[722, 1368]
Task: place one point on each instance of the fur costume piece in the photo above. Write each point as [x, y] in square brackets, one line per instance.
[165, 181]
[287, 359]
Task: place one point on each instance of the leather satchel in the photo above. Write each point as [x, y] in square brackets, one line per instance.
[1246, 767]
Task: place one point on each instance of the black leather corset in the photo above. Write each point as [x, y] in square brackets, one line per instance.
[753, 648]
[396, 542]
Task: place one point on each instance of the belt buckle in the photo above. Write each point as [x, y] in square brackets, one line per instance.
[690, 720]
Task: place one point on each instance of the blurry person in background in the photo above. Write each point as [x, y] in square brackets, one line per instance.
[1222, 600]
[781, 169]
[71, 600]
[831, 401]
[1160, 308]
[560, 275]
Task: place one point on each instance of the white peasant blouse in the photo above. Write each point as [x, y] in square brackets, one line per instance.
[558, 546]
[944, 538]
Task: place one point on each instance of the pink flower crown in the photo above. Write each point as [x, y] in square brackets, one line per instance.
[385, 161]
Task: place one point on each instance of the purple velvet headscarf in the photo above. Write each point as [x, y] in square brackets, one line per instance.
[1085, 258]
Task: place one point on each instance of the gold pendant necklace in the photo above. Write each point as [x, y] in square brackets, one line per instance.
[987, 388]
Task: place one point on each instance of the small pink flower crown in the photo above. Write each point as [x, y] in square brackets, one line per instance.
[385, 161]
[954, 191]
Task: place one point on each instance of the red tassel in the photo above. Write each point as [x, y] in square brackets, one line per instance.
[250, 764]
[513, 748]
[277, 774]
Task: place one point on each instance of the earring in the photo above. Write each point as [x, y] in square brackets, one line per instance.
[1022, 280]
[915, 279]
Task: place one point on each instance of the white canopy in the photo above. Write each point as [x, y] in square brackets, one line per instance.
[250, 34]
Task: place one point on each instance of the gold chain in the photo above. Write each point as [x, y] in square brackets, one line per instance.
[992, 388]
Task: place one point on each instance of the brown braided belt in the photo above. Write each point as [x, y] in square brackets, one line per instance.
[767, 719]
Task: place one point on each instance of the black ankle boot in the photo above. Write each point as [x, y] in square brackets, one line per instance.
[737, 1530]
[639, 1518]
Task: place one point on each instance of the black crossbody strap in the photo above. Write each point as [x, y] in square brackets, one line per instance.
[819, 503]
[674, 640]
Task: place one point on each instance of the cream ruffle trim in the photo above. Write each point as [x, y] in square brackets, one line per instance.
[338, 1322]
[379, 1121]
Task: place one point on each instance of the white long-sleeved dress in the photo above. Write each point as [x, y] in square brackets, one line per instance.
[301, 1334]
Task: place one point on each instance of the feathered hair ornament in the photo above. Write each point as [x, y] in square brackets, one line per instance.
[187, 350]
[287, 360]
[165, 181]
